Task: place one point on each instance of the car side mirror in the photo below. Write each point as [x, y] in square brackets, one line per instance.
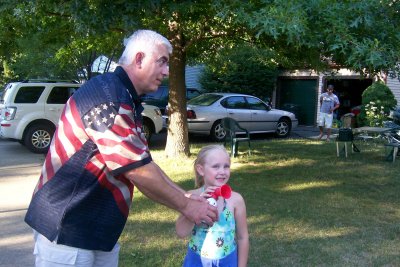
[269, 107]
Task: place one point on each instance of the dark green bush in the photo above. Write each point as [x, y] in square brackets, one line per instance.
[377, 95]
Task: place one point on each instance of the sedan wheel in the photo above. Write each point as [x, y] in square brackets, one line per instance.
[217, 132]
[283, 128]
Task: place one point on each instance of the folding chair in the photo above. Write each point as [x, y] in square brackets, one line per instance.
[232, 129]
[346, 135]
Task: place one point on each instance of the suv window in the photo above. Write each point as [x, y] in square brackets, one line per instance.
[29, 94]
[161, 93]
[60, 95]
[3, 94]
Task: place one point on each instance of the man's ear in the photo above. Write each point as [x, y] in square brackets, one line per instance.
[139, 59]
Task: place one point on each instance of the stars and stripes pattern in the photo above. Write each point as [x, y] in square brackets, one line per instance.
[117, 132]
[101, 117]
[82, 198]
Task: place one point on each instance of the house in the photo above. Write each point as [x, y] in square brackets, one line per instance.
[302, 89]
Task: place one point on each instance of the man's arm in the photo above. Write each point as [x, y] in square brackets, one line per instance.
[336, 104]
[153, 182]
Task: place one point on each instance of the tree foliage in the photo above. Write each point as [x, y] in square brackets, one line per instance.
[53, 38]
[243, 69]
[359, 35]
[50, 41]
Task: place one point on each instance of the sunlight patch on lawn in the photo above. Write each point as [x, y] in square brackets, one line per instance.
[259, 219]
[278, 162]
[310, 185]
[297, 231]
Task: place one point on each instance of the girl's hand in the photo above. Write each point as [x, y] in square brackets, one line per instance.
[208, 191]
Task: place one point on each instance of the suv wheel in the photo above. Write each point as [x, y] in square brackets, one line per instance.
[38, 138]
[147, 129]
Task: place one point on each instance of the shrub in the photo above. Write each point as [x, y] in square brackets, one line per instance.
[375, 116]
[377, 101]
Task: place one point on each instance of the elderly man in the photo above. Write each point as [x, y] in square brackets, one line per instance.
[98, 154]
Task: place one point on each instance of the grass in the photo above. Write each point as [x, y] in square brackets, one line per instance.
[305, 207]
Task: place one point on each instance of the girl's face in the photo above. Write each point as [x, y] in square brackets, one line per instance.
[216, 169]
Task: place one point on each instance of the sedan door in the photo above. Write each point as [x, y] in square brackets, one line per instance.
[236, 108]
[262, 120]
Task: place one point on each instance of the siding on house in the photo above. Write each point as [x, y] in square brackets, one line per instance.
[192, 74]
[394, 85]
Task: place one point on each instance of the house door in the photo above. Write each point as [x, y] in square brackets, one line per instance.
[300, 97]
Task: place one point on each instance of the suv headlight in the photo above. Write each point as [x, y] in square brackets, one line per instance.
[8, 113]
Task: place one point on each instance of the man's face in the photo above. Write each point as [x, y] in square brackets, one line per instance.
[154, 68]
[330, 90]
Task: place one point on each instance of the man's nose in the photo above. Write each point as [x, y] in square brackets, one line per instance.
[165, 71]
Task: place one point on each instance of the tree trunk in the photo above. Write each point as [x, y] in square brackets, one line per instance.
[177, 138]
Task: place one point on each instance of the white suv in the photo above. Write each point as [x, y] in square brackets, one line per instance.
[29, 112]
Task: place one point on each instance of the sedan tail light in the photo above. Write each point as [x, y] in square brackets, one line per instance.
[191, 114]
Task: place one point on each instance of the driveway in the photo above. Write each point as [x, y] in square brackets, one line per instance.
[19, 171]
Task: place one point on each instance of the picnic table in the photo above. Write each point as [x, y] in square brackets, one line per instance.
[371, 130]
[367, 133]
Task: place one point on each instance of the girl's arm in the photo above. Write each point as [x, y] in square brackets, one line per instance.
[242, 234]
[183, 226]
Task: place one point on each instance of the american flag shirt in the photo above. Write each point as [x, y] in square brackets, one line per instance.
[82, 198]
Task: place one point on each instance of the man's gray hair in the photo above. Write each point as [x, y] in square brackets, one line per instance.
[142, 41]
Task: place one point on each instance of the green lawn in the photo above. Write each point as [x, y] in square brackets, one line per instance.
[305, 207]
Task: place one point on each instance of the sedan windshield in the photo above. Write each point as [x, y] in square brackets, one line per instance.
[204, 99]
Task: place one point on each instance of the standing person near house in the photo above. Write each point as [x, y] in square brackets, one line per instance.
[329, 102]
[98, 154]
[226, 243]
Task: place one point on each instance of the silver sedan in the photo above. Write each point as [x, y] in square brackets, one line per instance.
[205, 112]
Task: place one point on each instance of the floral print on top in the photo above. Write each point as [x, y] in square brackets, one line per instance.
[215, 242]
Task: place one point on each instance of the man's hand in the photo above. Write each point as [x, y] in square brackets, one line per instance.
[199, 211]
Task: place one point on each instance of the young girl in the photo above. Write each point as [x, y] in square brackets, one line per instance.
[226, 243]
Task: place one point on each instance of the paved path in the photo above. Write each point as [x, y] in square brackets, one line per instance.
[19, 171]
[310, 132]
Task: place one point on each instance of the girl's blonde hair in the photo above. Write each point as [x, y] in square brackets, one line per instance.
[200, 160]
